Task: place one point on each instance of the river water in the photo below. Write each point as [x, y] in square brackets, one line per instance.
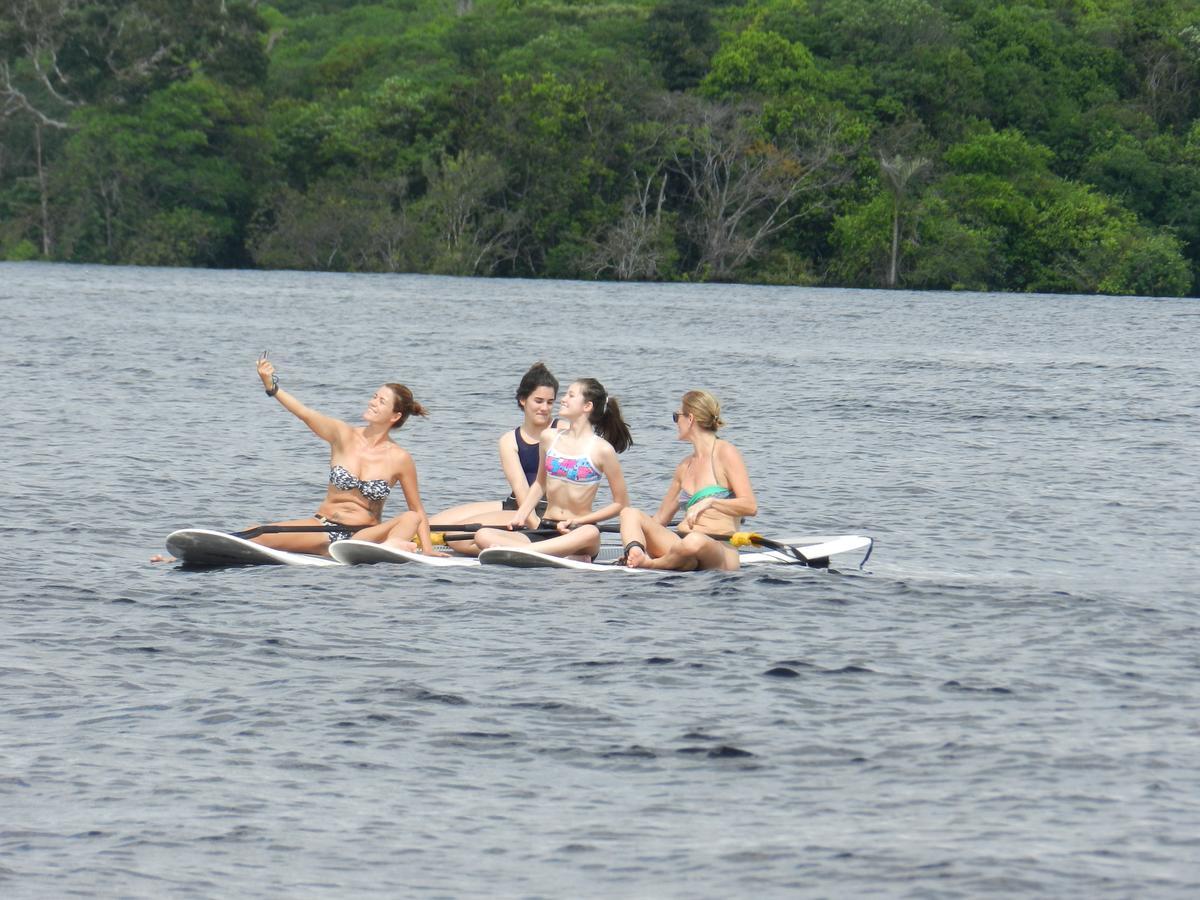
[1004, 702]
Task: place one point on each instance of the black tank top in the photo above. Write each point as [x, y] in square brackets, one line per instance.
[528, 454]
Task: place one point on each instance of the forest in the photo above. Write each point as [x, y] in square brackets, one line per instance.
[1043, 145]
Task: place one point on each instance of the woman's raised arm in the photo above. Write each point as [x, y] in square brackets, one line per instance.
[325, 427]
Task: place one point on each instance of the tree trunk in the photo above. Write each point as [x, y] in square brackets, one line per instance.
[892, 274]
[47, 244]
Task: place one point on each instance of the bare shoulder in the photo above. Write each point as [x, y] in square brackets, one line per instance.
[507, 441]
[727, 452]
[400, 457]
[604, 453]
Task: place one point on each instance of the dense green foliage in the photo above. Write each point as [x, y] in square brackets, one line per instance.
[1044, 145]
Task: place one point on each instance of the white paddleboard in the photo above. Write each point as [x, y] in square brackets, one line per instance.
[528, 558]
[352, 553]
[813, 548]
[201, 547]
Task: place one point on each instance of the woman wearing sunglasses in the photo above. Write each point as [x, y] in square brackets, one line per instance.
[710, 490]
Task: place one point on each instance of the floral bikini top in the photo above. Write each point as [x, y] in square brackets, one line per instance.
[576, 469]
[341, 479]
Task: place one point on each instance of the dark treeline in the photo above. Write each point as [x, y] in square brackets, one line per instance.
[978, 144]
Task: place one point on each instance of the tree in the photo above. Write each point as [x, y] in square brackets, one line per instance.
[63, 63]
[193, 146]
[464, 208]
[681, 39]
[740, 187]
[358, 226]
[897, 172]
[640, 244]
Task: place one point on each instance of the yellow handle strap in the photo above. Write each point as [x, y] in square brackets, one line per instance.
[744, 538]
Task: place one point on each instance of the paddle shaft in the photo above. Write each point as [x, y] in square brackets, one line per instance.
[250, 533]
[757, 539]
[475, 526]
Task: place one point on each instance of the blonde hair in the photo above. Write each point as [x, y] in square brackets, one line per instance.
[705, 408]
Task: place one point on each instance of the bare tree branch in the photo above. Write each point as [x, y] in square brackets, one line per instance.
[743, 187]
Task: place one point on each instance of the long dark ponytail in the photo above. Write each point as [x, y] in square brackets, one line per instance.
[606, 415]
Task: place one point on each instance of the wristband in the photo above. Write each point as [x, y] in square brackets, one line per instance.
[274, 388]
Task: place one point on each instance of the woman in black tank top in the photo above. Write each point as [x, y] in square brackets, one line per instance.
[518, 450]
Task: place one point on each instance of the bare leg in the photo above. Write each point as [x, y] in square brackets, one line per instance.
[497, 517]
[637, 526]
[581, 541]
[584, 540]
[498, 537]
[697, 551]
[316, 542]
[469, 512]
[397, 532]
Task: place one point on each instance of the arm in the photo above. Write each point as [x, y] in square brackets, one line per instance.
[743, 502]
[510, 462]
[537, 490]
[407, 477]
[325, 427]
[670, 501]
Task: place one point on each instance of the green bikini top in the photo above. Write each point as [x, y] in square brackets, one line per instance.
[720, 492]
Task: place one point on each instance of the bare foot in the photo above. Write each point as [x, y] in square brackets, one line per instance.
[636, 558]
[402, 545]
[158, 557]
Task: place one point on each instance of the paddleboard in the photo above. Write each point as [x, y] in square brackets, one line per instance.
[528, 558]
[816, 550]
[200, 547]
[352, 553]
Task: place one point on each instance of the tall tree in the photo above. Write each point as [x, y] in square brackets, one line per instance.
[742, 187]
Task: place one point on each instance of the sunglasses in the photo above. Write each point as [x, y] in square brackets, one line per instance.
[675, 416]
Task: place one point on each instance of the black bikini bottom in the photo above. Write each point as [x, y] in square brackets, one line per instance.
[338, 531]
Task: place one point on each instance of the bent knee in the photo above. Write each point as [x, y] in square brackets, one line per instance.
[631, 516]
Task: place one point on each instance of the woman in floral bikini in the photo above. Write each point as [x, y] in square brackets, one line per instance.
[572, 464]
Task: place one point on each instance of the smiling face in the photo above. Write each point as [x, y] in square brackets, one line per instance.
[538, 407]
[381, 407]
[573, 406]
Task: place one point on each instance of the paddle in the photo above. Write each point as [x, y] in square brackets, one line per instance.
[753, 538]
[474, 526]
[250, 533]
[466, 532]
[816, 555]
